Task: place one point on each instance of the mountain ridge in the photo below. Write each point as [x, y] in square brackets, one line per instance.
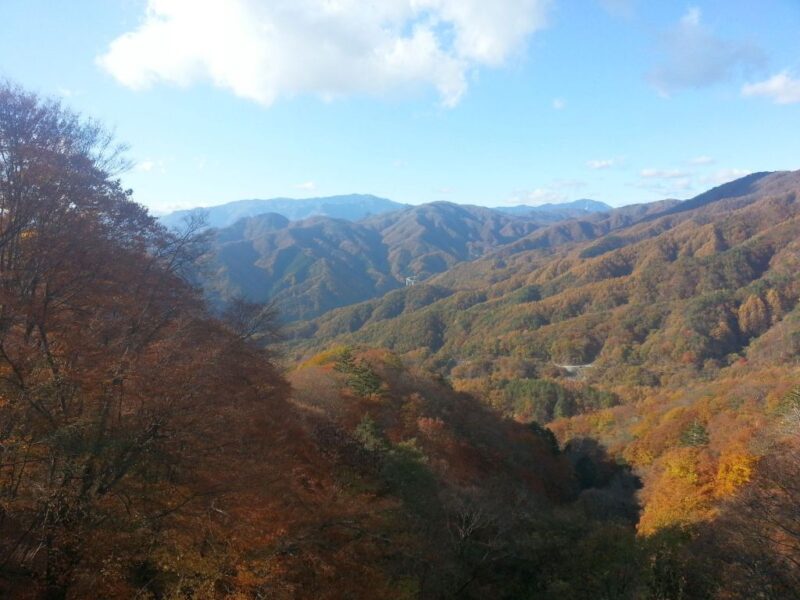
[310, 266]
[558, 210]
[349, 206]
[355, 207]
[533, 296]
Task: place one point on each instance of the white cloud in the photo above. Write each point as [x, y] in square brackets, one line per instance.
[724, 176]
[673, 183]
[266, 50]
[559, 103]
[145, 166]
[604, 163]
[307, 186]
[668, 188]
[536, 197]
[780, 88]
[66, 92]
[149, 166]
[662, 174]
[695, 57]
[702, 160]
[553, 192]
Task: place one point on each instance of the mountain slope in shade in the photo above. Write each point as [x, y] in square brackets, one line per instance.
[310, 266]
[305, 267]
[351, 207]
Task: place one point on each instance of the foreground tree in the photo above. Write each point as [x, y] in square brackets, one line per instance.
[131, 424]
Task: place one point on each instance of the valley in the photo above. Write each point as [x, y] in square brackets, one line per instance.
[665, 335]
[399, 300]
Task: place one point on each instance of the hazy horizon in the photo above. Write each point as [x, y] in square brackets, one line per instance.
[532, 204]
[339, 195]
[530, 102]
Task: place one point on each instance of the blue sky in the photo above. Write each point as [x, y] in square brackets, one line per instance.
[502, 102]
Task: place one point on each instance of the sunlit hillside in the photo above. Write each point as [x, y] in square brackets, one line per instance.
[399, 300]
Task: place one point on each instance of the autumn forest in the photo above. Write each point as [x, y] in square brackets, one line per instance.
[433, 402]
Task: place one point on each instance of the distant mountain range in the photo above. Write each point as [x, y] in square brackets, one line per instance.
[310, 256]
[328, 253]
[558, 211]
[351, 207]
[354, 207]
[310, 266]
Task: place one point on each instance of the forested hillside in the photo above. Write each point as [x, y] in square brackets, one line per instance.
[311, 266]
[680, 293]
[607, 407]
[671, 335]
[399, 300]
[150, 450]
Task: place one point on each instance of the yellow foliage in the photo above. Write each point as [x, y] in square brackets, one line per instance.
[682, 464]
[754, 316]
[324, 358]
[673, 502]
[735, 469]
[638, 455]
[680, 494]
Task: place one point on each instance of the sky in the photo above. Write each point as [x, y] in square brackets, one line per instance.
[493, 103]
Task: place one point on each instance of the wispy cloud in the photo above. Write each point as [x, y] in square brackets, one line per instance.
[667, 183]
[557, 190]
[781, 89]
[678, 183]
[663, 174]
[536, 197]
[307, 186]
[66, 92]
[263, 51]
[559, 103]
[667, 188]
[604, 163]
[150, 166]
[724, 176]
[694, 57]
